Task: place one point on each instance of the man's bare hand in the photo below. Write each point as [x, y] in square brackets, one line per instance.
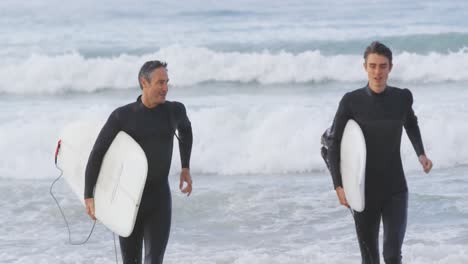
[90, 208]
[426, 163]
[185, 177]
[341, 196]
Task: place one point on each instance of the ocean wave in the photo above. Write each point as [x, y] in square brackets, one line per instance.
[42, 74]
[280, 136]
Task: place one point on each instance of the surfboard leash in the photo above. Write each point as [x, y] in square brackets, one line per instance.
[115, 249]
[63, 214]
[59, 144]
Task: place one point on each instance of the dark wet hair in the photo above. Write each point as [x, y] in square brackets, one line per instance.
[379, 48]
[148, 68]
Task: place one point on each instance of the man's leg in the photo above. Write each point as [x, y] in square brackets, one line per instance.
[157, 227]
[367, 229]
[132, 246]
[394, 217]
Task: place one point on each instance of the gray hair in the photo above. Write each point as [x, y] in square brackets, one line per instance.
[148, 68]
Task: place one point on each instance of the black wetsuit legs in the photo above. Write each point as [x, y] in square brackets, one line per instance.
[131, 246]
[393, 213]
[152, 226]
[367, 228]
[394, 218]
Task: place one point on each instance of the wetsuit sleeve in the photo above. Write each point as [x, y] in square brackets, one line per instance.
[412, 127]
[102, 144]
[336, 133]
[184, 128]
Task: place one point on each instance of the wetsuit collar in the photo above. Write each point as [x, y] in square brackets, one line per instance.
[372, 93]
[140, 103]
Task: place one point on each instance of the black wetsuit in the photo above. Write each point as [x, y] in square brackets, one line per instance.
[381, 117]
[154, 130]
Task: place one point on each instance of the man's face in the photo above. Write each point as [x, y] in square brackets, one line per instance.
[156, 90]
[378, 67]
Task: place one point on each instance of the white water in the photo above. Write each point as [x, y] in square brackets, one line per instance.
[238, 130]
[243, 219]
[41, 74]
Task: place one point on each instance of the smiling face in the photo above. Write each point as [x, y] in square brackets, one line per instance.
[155, 89]
[378, 68]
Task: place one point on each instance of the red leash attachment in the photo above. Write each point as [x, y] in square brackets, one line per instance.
[59, 144]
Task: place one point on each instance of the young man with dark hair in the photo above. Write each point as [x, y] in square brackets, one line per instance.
[381, 111]
[151, 121]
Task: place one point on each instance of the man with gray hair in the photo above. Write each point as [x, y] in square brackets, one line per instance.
[151, 121]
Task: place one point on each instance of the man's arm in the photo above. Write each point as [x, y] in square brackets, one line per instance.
[184, 128]
[336, 133]
[341, 117]
[412, 130]
[412, 127]
[102, 144]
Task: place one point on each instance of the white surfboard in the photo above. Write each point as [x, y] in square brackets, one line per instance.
[353, 165]
[121, 179]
